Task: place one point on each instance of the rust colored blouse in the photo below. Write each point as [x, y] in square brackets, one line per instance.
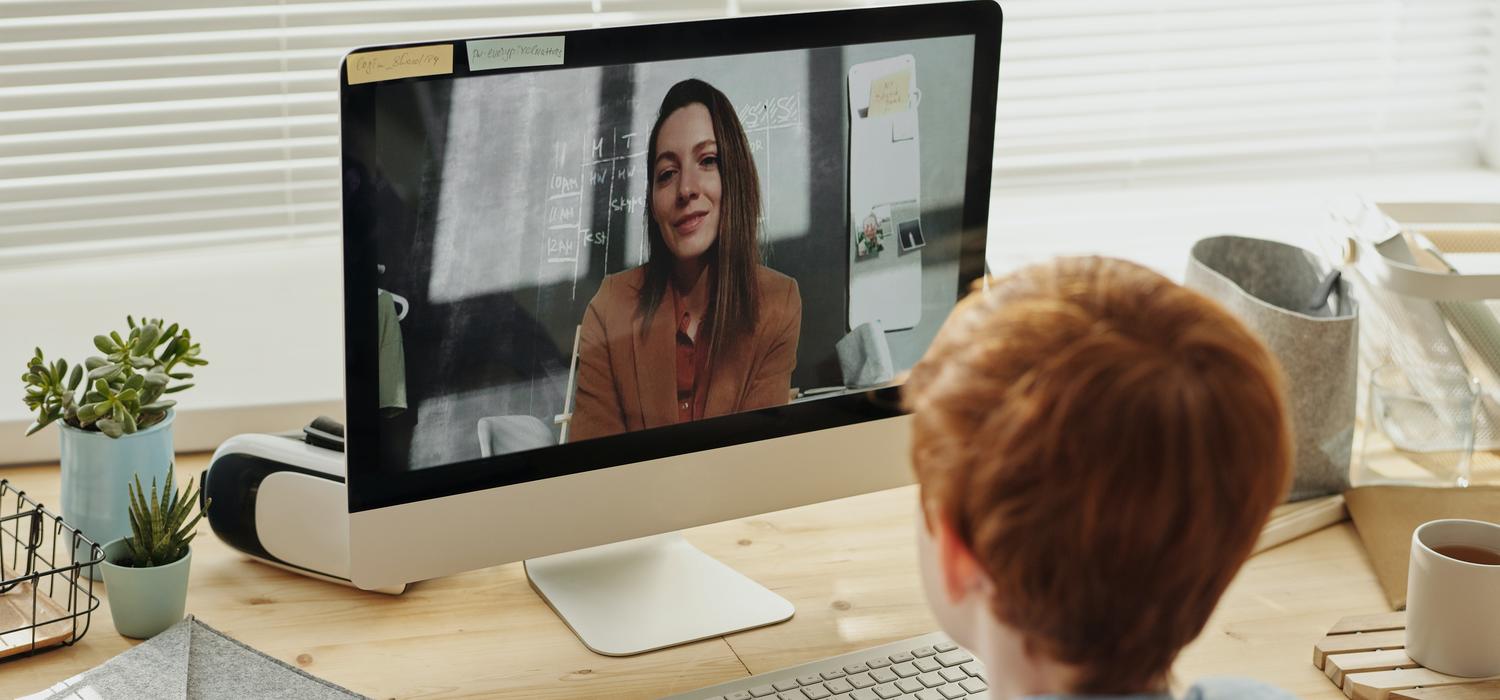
[692, 358]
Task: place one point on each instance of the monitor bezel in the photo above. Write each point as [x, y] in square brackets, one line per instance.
[371, 487]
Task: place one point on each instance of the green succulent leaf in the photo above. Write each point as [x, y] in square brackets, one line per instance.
[103, 343]
[110, 427]
[105, 372]
[179, 387]
[88, 412]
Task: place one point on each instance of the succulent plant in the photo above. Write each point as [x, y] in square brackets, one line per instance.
[123, 389]
[160, 530]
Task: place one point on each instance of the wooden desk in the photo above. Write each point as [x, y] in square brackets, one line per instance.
[847, 565]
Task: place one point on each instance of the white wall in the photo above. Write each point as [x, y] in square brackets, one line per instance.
[269, 315]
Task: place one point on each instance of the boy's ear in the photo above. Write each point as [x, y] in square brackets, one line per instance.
[962, 574]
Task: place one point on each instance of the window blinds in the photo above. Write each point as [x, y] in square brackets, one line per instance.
[138, 126]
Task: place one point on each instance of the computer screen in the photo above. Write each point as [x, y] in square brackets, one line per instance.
[609, 260]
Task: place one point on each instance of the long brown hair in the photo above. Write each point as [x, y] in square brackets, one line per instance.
[734, 301]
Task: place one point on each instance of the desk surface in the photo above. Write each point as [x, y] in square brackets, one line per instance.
[847, 565]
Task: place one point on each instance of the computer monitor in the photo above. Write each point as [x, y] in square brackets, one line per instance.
[611, 283]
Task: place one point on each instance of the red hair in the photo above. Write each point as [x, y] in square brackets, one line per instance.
[1108, 445]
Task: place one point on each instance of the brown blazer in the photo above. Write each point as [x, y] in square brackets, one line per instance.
[627, 368]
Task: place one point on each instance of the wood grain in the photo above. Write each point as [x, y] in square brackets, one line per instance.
[1484, 690]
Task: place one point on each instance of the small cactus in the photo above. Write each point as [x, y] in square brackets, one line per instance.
[160, 530]
[123, 390]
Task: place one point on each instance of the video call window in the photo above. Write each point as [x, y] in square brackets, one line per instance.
[575, 253]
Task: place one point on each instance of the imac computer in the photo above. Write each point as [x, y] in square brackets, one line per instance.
[603, 285]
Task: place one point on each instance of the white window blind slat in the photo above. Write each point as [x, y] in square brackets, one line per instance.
[197, 122]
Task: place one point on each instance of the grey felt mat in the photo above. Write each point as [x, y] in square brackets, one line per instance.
[193, 661]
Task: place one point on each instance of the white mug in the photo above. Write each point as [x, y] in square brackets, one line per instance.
[1452, 605]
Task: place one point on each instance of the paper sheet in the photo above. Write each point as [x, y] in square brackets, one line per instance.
[1385, 517]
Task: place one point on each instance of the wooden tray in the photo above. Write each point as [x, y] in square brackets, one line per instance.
[1365, 656]
[16, 621]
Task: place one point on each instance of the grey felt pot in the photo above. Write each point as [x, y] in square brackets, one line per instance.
[1271, 287]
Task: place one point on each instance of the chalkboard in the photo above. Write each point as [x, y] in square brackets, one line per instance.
[537, 190]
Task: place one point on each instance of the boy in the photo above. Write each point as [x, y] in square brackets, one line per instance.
[1098, 449]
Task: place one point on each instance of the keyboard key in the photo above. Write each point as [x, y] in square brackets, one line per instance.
[953, 675]
[878, 663]
[815, 692]
[951, 692]
[931, 680]
[900, 658]
[783, 686]
[738, 695]
[830, 675]
[905, 670]
[923, 651]
[852, 669]
[945, 646]
[793, 694]
[810, 680]
[926, 665]
[883, 675]
[761, 691]
[887, 691]
[837, 686]
[929, 695]
[971, 669]
[909, 685]
[954, 658]
[974, 685]
[863, 694]
[861, 680]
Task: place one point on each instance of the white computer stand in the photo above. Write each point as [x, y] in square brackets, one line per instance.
[655, 592]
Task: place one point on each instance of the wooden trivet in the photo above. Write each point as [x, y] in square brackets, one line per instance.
[1365, 656]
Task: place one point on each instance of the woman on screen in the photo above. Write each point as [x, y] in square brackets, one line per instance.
[702, 329]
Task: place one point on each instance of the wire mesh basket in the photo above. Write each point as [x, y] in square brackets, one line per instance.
[46, 601]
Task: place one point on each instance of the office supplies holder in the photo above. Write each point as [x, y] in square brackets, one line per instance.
[1424, 311]
[46, 601]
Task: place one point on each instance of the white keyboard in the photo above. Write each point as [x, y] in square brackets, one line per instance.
[929, 667]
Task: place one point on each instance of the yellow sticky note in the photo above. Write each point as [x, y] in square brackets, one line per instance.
[391, 64]
[890, 94]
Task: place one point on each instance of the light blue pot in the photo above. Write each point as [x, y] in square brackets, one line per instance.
[95, 471]
[144, 602]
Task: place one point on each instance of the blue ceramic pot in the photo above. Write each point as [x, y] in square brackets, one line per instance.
[95, 471]
[144, 602]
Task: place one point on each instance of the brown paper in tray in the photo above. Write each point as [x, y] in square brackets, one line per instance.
[1385, 517]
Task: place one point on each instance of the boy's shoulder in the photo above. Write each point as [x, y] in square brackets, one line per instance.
[1235, 689]
[1206, 689]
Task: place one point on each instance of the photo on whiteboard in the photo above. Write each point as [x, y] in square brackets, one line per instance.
[909, 233]
[867, 241]
[563, 238]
